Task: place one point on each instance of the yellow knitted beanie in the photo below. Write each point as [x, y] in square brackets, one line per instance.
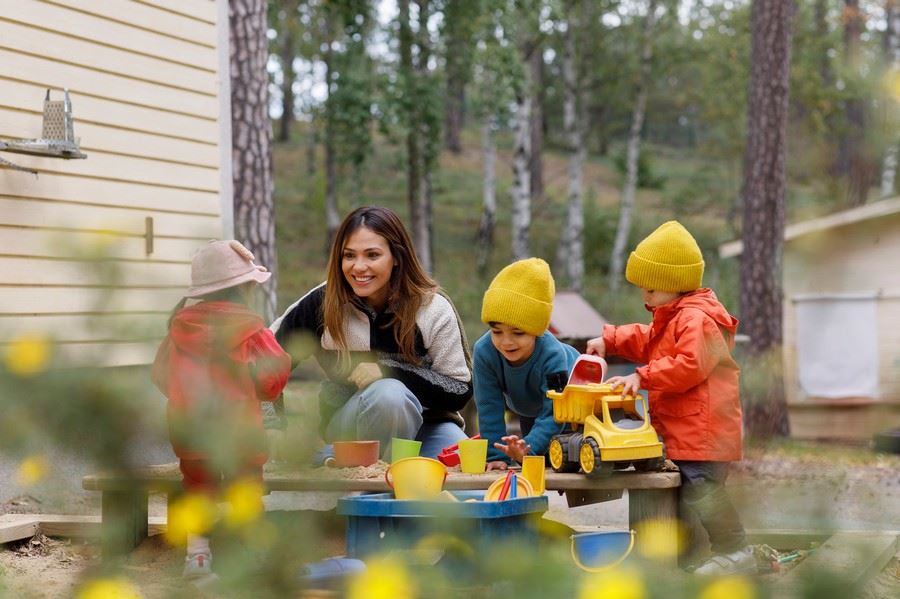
[521, 296]
[668, 259]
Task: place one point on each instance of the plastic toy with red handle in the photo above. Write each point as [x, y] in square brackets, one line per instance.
[449, 456]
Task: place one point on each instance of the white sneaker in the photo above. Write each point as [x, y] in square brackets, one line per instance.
[197, 565]
[741, 561]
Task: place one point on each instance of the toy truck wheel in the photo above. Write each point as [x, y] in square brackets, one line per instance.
[589, 458]
[559, 459]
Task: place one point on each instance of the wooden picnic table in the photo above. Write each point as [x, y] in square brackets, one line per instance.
[124, 501]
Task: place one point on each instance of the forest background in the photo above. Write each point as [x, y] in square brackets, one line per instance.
[569, 129]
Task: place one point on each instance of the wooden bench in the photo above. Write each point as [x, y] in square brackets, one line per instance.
[124, 501]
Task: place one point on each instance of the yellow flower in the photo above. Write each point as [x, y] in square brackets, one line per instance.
[245, 503]
[732, 587]
[892, 83]
[27, 355]
[383, 579]
[109, 588]
[32, 470]
[616, 583]
[192, 514]
[658, 539]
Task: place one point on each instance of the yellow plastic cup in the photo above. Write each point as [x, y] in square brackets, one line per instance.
[416, 478]
[533, 470]
[473, 455]
[404, 448]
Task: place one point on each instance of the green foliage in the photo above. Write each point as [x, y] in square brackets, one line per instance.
[646, 177]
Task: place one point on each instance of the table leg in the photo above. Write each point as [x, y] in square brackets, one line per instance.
[125, 525]
[661, 507]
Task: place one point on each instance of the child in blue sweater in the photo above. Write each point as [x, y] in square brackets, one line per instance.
[513, 360]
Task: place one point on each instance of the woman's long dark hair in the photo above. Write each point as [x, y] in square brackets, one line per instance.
[409, 284]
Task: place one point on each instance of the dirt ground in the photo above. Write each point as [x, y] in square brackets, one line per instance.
[849, 488]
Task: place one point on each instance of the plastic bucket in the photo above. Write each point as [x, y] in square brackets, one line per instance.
[416, 478]
[355, 453]
[601, 550]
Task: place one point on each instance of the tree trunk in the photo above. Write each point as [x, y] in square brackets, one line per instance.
[626, 210]
[489, 199]
[521, 183]
[892, 45]
[764, 197]
[286, 52]
[457, 73]
[859, 171]
[332, 214]
[413, 158]
[536, 162]
[251, 139]
[569, 256]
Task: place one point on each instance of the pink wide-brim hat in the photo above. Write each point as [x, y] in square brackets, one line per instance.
[221, 265]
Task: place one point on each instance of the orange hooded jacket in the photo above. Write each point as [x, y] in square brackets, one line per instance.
[689, 373]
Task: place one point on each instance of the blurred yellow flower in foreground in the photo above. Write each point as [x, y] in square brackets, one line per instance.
[109, 588]
[27, 355]
[658, 539]
[616, 583]
[892, 83]
[383, 579]
[192, 514]
[244, 501]
[32, 470]
[732, 587]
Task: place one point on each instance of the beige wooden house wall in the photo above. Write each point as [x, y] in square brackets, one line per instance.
[149, 87]
[855, 258]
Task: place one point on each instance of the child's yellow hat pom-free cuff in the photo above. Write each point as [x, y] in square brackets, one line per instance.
[521, 296]
[668, 259]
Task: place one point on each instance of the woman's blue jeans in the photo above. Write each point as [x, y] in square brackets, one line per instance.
[386, 409]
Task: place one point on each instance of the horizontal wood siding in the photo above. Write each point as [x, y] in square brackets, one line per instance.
[78, 261]
[858, 258]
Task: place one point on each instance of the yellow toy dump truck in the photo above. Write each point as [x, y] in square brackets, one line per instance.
[608, 430]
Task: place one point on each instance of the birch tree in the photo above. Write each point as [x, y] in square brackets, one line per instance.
[251, 139]
[763, 219]
[889, 164]
[570, 254]
[632, 155]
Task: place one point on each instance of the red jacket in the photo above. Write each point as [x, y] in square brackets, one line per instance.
[216, 364]
[689, 373]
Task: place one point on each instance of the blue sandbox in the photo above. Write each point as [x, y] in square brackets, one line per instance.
[378, 522]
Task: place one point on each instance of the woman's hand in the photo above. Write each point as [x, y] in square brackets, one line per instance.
[496, 465]
[630, 384]
[365, 374]
[515, 447]
[596, 346]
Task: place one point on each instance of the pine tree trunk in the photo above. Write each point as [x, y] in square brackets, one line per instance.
[521, 184]
[859, 171]
[536, 161]
[422, 227]
[889, 164]
[287, 83]
[251, 139]
[626, 210]
[569, 256]
[764, 198]
[489, 199]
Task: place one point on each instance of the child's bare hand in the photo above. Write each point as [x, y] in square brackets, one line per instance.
[365, 374]
[596, 346]
[515, 447]
[496, 465]
[630, 384]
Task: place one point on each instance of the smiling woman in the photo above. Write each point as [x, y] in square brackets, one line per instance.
[390, 342]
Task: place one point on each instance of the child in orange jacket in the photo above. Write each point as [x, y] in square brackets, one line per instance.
[216, 364]
[691, 379]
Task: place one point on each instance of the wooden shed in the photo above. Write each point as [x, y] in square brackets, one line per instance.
[97, 251]
[842, 322]
[574, 320]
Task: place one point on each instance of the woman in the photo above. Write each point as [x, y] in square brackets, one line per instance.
[391, 344]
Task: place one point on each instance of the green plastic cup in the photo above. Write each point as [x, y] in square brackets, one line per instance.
[404, 448]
